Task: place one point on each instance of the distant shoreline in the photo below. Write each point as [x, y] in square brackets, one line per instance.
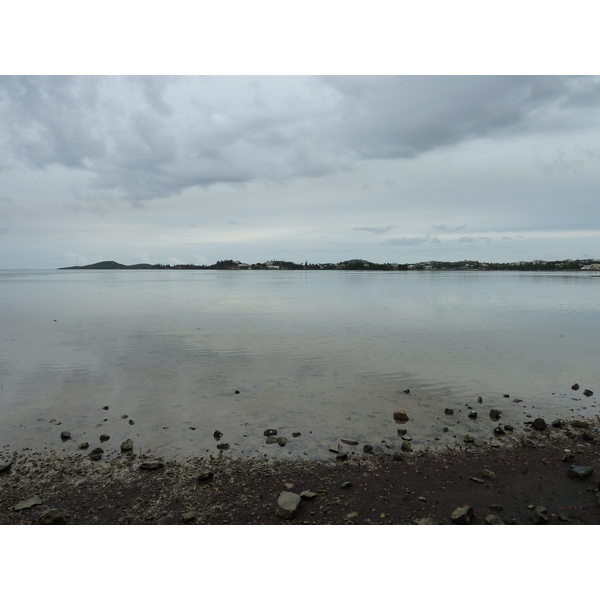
[591, 265]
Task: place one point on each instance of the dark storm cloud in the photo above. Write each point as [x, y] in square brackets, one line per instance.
[152, 137]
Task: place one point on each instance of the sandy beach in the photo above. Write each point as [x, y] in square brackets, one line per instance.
[547, 476]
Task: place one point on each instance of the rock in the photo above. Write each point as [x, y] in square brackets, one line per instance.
[400, 416]
[223, 446]
[499, 430]
[93, 456]
[495, 414]
[97, 451]
[389, 445]
[281, 440]
[271, 440]
[539, 515]
[476, 480]
[509, 428]
[296, 434]
[406, 447]
[575, 386]
[206, 476]
[568, 456]
[131, 422]
[528, 443]
[480, 400]
[367, 449]
[427, 521]
[445, 430]
[469, 439]
[287, 505]
[217, 435]
[576, 472]
[5, 467]
[152, 465]
[84, 446]
[557, 423]
[335, 448]
[489, 474]
[473, 415]
[105, 408]
[588, 393]
[349, 442]
[341, 456]
[448, 411]
[124, 416]
[308, 495]
[402, 432]
[462, 515]
[127, 445]
[407, 391]
[408, 438]
[104, 438]
[346, 484]
[579, 424]
[351, 516]
[51, 516]
[494, 520]
[289, 486]
[65, 435]
[186, 517]
[33, 501]
[269, 432]
[587, 436]
[539, 424]
[398, 457]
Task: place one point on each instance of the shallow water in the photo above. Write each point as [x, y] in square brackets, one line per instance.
[328, 354]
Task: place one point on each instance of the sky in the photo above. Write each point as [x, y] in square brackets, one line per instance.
[195, 169]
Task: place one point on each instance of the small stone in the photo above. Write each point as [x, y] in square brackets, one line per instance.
[206, 476]
[407, 391]
[97, 451]
[351, 516]
[237, 391]
[495, 414]
[281, 440]
[346, 484]
[105, 408]
[152, 465]
[499, 430]
[223, 446]
[539, 515]
[367, 449]
[480, 400]
[389, 445]
[462, 515]
[506, 395]
[445, 430]
[568, 456]
[476, 480]
[131, 422]
[557, 423]
[296, 434]
[575, 386]
[124, 416]
[270, 432]
[406, 446]
[93, 456]
[289, 486]
[402, 432]
[408, 438]
[400, 416]
[494, 520]
[576, 472]
[84, 446]
[287, 505]
[271, 440]
[5, 467]
[217, 434]
[193, 428]
[588, 393]
[469, 439]
[104, 438]
[188, 516]
[127, 445]
[427, 521]
[489, 474]
[509, 428]
[528, 443]
[449, 411]
[308, 495]
[335, 448]
[341, 456]
[539, 424]
[587, 436]
[473, 415]
[349, 442]
[51, 516]
[398, 457]
[579, 424]
[65, 435]
[35, 500]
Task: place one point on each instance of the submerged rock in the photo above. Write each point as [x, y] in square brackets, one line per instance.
[495, 414]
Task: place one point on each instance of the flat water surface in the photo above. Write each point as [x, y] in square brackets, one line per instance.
[327, 354]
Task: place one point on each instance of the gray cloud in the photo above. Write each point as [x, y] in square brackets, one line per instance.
[377, 230]
[406, 241]
[448, 229]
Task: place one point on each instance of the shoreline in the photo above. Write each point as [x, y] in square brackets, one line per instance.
[529, 480]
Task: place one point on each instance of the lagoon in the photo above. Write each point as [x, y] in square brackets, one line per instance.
[328, 354]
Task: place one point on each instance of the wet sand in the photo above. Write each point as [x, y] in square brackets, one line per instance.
[521, 479]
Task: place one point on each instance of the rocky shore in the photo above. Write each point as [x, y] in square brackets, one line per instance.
[545, 474]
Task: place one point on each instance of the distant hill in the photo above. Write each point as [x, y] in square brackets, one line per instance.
[111, 264]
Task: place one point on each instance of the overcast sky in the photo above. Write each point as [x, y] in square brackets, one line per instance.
[319, 169]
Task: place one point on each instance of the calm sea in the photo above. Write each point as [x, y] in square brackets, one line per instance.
[324, 354]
